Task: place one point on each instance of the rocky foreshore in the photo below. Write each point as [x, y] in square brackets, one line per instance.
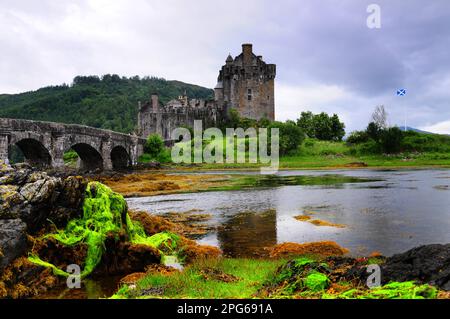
[36, 212]
[34, 204]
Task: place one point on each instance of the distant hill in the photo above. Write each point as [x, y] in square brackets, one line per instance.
[402, 127]
[108, 102]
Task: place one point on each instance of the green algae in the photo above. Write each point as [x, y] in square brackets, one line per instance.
[316, 281]
[304, 277]
[105, 213]
[300, 275]
[393, 290]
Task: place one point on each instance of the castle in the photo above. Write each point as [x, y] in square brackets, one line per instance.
[245, 83]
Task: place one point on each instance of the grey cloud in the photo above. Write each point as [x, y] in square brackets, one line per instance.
[313, 43]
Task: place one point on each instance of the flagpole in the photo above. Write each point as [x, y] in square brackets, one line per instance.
[402, 92]
[405, 116]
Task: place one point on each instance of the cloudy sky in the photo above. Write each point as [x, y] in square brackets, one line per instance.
[327, 58]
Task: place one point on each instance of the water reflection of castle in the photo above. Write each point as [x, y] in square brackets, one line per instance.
[247, 234]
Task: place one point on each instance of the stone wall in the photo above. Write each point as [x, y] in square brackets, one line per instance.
[163, 120]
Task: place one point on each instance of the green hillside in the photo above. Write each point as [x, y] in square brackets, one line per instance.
[109, 102]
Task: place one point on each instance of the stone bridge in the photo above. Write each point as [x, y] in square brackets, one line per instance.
[43, 144]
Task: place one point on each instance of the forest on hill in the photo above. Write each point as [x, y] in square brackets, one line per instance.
[108, 102]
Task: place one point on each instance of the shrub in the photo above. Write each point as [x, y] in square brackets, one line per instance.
[391, 140]
[291, 136]
[369, 147]
[358, 137]
[374, 131]
[154, 145]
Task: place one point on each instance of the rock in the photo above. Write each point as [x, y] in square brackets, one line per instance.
[123, 257]
[425, 264]
[13, 240]
[37, 198]
[68, 200]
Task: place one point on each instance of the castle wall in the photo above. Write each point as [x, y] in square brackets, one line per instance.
[166, 119]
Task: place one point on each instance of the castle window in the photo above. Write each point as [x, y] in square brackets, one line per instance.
[249, 94]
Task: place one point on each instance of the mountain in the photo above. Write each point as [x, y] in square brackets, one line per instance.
[402, 127]
[108, 102]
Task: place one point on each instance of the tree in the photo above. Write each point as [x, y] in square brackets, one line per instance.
[337, 128]
[305, 122]
[322, 126]
[374, 131]
[154, 145]
[391, 140]
[379, 117]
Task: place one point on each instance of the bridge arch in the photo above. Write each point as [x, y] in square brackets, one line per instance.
[34, 152]
[120, 158]
[45, 143]
[90, 158]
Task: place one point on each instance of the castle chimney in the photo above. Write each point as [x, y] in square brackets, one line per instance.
[247, 53]
[155, 102]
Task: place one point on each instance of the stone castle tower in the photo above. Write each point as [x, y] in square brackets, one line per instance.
[247, 84]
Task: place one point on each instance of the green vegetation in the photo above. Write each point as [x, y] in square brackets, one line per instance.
[291, 136]
[155, 151]
[104, 214]
[321, 126]
[391, 140]
[321, 154]
[109, 102]
[154, 145]
[222, 278]
[303, 277]
[393, 290]
[70, 158]
[315, 154]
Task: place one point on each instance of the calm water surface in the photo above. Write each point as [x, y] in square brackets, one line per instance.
[404, 210]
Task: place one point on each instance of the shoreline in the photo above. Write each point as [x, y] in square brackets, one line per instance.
[203, 266]
[291, 168]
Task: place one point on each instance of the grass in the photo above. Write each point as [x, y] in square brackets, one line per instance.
[320, 154]
[193, 283]
[302, 277]
[315, 154]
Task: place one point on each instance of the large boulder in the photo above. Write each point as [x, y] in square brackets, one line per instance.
[39, 199]
[13, 240]
[425, 264]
